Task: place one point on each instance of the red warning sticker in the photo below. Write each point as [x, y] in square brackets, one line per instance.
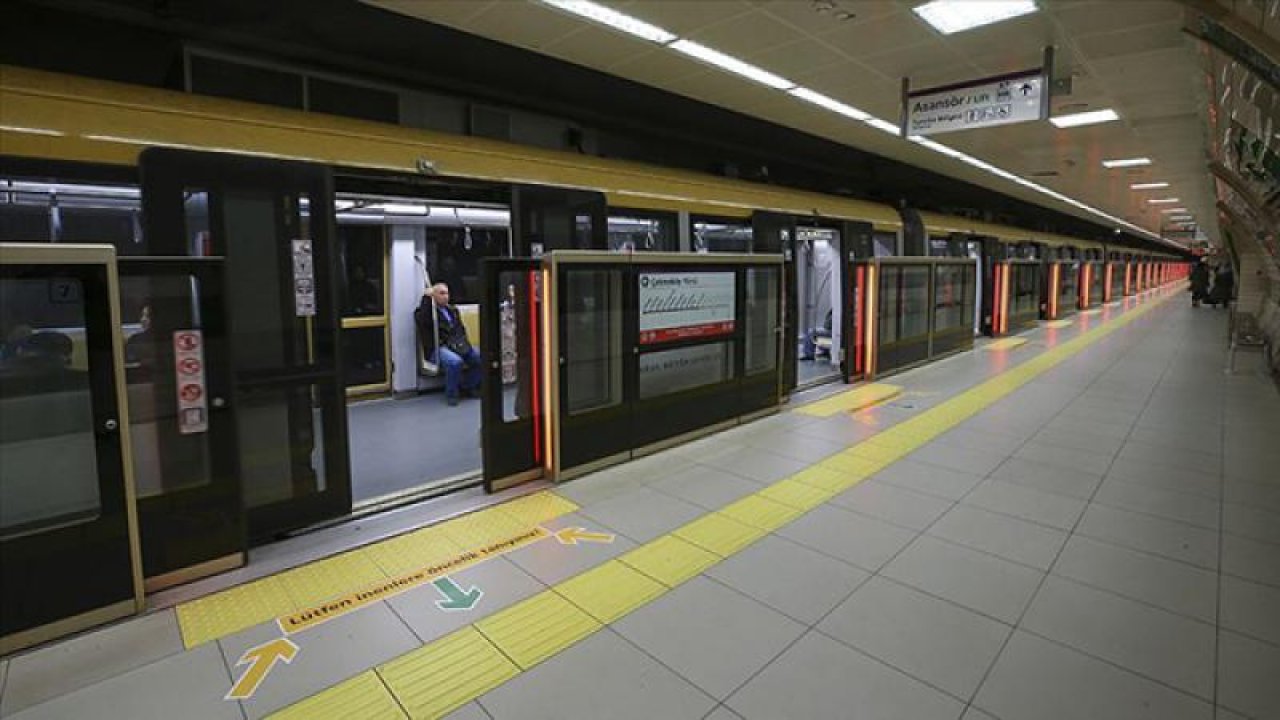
[188, 366]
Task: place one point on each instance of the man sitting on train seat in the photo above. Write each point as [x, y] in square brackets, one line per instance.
[452, 350]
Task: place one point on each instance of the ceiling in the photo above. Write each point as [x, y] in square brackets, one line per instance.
[1130, 56]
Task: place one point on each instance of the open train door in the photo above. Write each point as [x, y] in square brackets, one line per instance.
[272, 223]
[775, 233]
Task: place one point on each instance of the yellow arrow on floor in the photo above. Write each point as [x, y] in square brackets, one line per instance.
[261, 659]
[575, 535]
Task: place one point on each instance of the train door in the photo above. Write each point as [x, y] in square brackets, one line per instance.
[182, 432]
[68, 535]
[272, 221]
[775, 233]
[818, 290]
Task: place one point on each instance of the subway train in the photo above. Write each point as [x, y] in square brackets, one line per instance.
[299, 246]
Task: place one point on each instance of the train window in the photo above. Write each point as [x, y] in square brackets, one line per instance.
[365, 103]
[886, 244]
[949, 297]
[195, 209]
[454, 255]
[363, 260]
[242, 81]
[721, 236]
[32, 211]
[633, 231]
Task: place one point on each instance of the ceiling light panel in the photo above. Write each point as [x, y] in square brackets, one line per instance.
[1169, 211]
[829, 103]
[1149, 186]
[1164, 201]
[1126, 162]
[953, 16]
[732, 64]
[614, 19]
[1093, 117]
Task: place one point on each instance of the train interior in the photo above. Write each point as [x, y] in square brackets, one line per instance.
[818, 296]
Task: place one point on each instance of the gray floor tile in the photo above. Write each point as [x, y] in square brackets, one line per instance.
[327, 654]
[978, 581]
[1047, 477]
[551, 561]
[186, 685]
[930, 479]
[1158, 644]
[1004, 535]
[1069, 458]
[966, 460]
[1158, 535]
[499, 579]
[994, 442]
[1249, 468]
[643, 514]
[842, 429]
[1058, 511]
[857, 539]
[820, 678]
[1190, 509]
[706, 487]
[801, 583]
[4, 676]
[1251, 522]
[798, 446]
[1187, 457]
[891, 503]
[470, 711]
[930, 639]
[758, 465]
[1247, 672]
[1082, 438]
[1179, 479]
[723, 713]
[603, 676]
[599, 486]
[1035, 679]
[713, 636]
[1174, 586]
[1263, 496]
[1251, 560]
[58, 669]
[1251, 609]
[1081, 427]
[1225, 714]
[974, 713]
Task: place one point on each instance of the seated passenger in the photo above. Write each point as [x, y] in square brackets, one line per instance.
[452, 350]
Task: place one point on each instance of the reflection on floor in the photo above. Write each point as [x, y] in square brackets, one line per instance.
[808, 371]
[398, 444]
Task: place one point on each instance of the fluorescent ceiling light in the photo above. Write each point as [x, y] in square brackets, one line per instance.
[1164, 201]
[829, 103]
[1093, 117]
[732, 64]
[402, 209]
[1126, 162]
[1170, 211]
[885, 125]
[614, 19]
[953, 16]
[1149, 186]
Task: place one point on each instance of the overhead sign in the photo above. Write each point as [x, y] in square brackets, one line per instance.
[987, 102]
[188, 370]
[684, 305]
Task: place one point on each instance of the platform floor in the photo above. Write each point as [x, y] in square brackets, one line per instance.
[1086, 525]
[400, 444]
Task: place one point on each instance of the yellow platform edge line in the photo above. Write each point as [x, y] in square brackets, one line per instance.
[851, 400]
[674, 557]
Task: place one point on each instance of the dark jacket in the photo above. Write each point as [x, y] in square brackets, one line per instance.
[1200, 280]
[453, 334]
[1224, 285]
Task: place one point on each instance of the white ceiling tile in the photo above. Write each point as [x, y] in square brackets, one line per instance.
[806, 16]
[1081, 19]
[886, 34]
[527, 24]
[747, 33]
[683, 17]
[797, 58]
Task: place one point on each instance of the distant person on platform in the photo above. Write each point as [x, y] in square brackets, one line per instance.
[1199, 283]
[1224, 285]
[451, 349]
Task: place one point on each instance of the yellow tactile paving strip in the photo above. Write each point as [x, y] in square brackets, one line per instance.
[430, 682]
[1008, 343]
[363, 697]
[852, 400]
[230, 611]
[1058, 324]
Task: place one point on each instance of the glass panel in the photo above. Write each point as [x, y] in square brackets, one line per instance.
[1026, 289]
[915, 301]
[281, 442]
[48, 454]
[520, 306]
[44, 211]
[890, 298]
[454, 255]
[363, 261]
[761, 315]
[364, 356]
[627, 233]
[1068, 284]
[949, 297]
[886, 244]
[152, 309]
[710, 236]
[592, 345]
[670, 371]
[195, 210]
[262, 312]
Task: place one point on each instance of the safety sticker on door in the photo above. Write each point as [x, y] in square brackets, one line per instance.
[188, 370]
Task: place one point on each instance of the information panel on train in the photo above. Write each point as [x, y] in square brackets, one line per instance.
[686, 305]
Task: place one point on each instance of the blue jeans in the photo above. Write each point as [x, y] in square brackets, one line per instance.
[454, 366]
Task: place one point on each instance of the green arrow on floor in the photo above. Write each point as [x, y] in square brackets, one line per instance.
[455, 598]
